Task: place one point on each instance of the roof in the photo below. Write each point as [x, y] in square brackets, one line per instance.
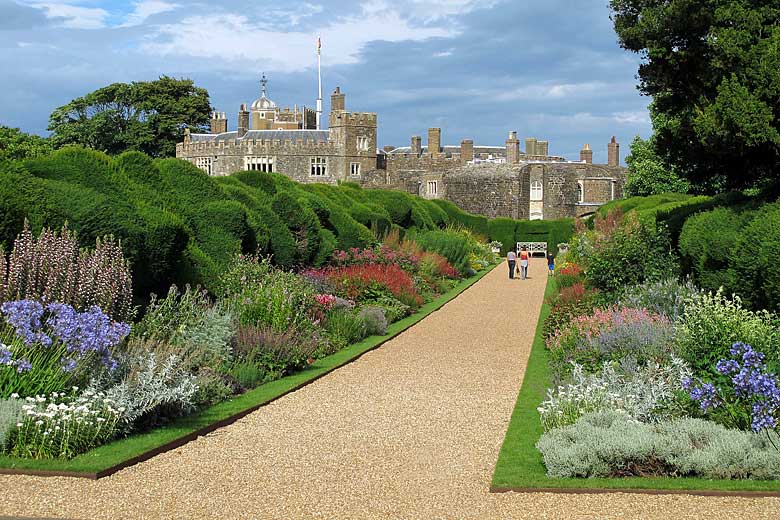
[270, 135]
[445, 149]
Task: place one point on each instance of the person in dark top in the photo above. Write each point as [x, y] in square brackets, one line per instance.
[550, 264]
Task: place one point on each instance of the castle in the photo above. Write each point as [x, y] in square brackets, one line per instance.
[495, 181]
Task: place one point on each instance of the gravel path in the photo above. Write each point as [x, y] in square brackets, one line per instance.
[411, 430]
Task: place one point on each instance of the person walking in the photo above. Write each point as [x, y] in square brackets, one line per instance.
[550, 264]
[524, 258]
[511, 259]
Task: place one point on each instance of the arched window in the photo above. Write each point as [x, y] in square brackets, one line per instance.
[537, 191]
[580, 194]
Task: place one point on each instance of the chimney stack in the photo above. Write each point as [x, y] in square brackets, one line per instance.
[337, 101]
[243, 121]
[218, 122]
[512, 149]
[530, 146]
[613, 153]
[586, 154]
[542, 148]
[434, 142]
[467, 150]
[416, 145]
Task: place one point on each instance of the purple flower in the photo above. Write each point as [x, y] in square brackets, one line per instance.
[706, 395]
[26, 318]
[6, 358]
[22, 365]
[68, 365]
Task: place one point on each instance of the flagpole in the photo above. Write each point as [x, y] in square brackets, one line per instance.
[319, 84]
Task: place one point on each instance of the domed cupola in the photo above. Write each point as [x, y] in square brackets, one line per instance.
[263, 103]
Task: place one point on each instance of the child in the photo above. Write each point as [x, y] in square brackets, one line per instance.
[550, 264]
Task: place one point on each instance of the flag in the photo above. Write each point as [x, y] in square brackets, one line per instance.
[319, 44]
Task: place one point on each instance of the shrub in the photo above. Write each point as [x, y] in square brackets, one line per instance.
[710, 326]
[449, 243]
[668, 297]
[10, 413]
[153, 388]
[394, 309]
[63, 426]
[646, 394]
[346, 325]
[609, 444]
[277, 353]
[609, 335]
[754, 259]
[707, 244]
[566, 304]
[503, 230]
[621, 251]
[374, 320]
[367, 283]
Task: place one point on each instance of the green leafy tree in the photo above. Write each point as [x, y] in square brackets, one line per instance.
[15, 144]
[713, 70]
[647, 173]
[147, 116]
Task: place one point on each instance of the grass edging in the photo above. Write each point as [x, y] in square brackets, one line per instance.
[119, 454]
[520, 467]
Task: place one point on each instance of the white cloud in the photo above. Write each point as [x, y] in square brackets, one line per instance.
[552, 91]
[235, 38]
[443, 54]
[432, 10]
[74, 16]
[146, 8]
[636, 118]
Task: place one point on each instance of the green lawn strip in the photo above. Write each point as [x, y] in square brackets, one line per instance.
[118, 451]
[520, 466]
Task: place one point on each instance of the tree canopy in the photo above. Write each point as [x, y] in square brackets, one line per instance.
[647, 173]
[147, 116]
[713, 70]
[15, 144]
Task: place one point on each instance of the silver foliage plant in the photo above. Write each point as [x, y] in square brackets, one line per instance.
[668, 297]
[154, 386]
[609, 444]
[644, 393]
[10, 413]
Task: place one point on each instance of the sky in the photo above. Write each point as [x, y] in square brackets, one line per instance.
[477, 69]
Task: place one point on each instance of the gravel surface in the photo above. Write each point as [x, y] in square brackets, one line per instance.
[411, 430]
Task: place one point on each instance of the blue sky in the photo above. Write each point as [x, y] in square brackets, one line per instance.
[476, 68]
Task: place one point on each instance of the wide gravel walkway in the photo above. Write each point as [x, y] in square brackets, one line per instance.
[411, 430]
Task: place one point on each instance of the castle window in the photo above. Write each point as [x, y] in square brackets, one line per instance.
[319, 166]
[261, 164]
[205, 164]
[537, 191]
[362, 143]
[354, 168]
[580, 193]
[433, 188]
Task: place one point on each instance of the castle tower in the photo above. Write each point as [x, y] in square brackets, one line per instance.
[530, 146]
[218, 122]
[416, 145]
[337, 101]
[243, 121]
[586, 154]
[434, 142]
[512, 149]
[613, 153]
[467, 150]
[542, 148]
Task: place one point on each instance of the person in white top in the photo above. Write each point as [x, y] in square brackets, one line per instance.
[511, 259]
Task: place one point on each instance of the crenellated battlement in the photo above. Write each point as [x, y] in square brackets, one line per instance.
[352, 119]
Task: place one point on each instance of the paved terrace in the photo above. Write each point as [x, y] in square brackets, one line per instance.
[411, 430]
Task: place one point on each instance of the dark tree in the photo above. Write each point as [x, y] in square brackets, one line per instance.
[147, 116]
[713, 70]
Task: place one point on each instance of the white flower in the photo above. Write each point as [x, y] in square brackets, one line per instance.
[14, 396]
[38, 423]
[18, 425]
